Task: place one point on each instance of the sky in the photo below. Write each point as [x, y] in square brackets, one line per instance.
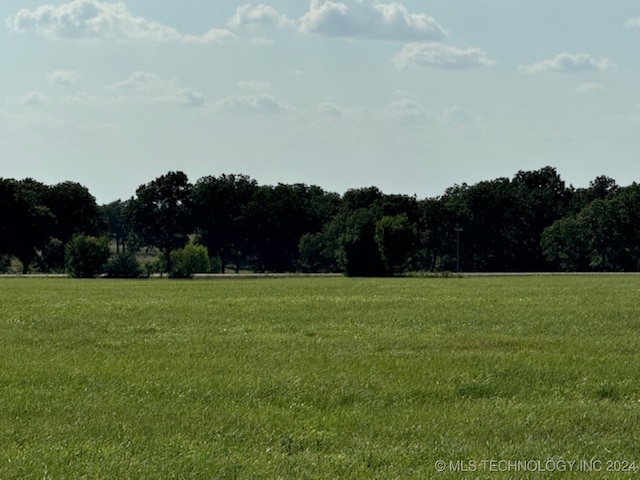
[411, 96]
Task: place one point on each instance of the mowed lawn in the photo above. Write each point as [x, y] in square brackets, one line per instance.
[318, 377]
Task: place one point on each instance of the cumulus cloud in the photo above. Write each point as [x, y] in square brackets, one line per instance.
[63, 77]
[261, 41]
[260, 15]
[329, 109]
[213, 36]
[628, 118]
[571, 63]
[102, 21]
[590, 88]
[633, 22]
[440, 56]
[254, 84]
[408, 112]
[149, 87]
[457, 114]
[369, 19]
[88, 99]
[32, 99]
[258, 104]
[188, 98]
[143, 82]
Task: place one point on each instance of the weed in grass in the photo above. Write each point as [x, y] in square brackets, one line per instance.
[476, 390]
[607, 391]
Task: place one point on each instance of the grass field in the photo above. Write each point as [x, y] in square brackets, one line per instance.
[320, 378]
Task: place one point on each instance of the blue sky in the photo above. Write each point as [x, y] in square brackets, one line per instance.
[410, 96]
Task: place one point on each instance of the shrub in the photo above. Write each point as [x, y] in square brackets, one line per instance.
[85, 256]
[123, 265]
[189, 260]
[157, 266]
[51, 258]
[5, 263]
[216, 265]
[318, 253]
[396, 239]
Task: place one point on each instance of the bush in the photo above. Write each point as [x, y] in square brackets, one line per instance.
[189, 260]
[157, 266]
[5, 263]
[216, 265]
[51, 258]
[318, 253]
[396, 239]
[123, 265]
[85, 256]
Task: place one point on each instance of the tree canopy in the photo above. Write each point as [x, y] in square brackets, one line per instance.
[530, 222]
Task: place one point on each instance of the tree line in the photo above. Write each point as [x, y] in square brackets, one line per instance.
[530, 222]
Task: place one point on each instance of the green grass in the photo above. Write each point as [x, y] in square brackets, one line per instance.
[316, 377]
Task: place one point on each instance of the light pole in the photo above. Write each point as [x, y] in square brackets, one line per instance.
[458, 230]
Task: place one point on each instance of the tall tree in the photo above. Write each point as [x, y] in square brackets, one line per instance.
[437, 237]
[542, 199]
[361, 255]
[566, 246]
[603, 236]
[117, 219]
[75, 211]
[162, 213]
[356, 198]
[600, 187]
[220, 215]
[280, 216]
[396, 237]
[25, 223]
[488, 214]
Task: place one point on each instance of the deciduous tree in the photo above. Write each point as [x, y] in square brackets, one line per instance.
[162, 213]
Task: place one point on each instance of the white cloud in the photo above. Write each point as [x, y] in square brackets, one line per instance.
[258, 104]
[590, 88]
[261, 41]
[84, 98]
[369, 19]
[143, 82]
[457, 114]
[633, 22]
[32, 99]
[330, 109]
[215, 35]
[260, 15]
[408, 112]
[254, 84]
[64, 77]
[441, 56]
[571, 63]
[148, 87]
[399, 93]
[102, 21]
[625, 118]
[188, 98]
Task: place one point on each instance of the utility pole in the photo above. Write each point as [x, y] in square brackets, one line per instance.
[458, 230]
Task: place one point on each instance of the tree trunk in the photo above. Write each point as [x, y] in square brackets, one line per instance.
[223, 261]
[167, 258]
